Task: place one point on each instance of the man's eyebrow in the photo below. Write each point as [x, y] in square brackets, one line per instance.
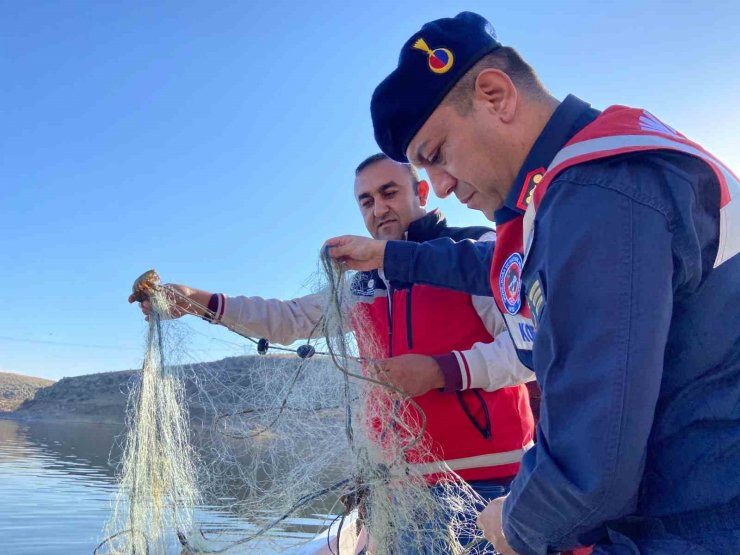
[382, 189]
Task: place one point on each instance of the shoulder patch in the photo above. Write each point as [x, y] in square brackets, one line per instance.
[531, 181]
[510, 283]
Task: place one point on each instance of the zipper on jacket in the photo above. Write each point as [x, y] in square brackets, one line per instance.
[409, 338]
[389, 289]
[484, 430]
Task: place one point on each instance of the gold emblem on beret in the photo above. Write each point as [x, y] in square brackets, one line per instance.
[440, 60]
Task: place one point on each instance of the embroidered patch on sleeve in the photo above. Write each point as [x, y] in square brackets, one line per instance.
[536, 300]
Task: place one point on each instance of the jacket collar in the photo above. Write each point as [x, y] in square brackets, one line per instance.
[430, 226]
[572, 115]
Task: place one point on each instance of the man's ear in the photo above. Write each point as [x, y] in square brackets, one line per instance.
[497, 91]
[423, 193]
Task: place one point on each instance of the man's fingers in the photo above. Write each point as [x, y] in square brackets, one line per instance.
[338, 240]
[344, 246]
[339, 251]
[489, 521]
[384, 373]
[488, 533]
[379, 368]
[145, 306]
[331, 245]
[481, 522]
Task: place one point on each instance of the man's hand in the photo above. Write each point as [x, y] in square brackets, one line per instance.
[412, 374]
[179, 301]
[357, 253]
[490, 520]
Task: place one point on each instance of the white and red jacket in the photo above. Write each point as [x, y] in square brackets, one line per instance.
[480, 432]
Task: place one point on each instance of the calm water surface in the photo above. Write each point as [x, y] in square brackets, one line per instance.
[57, 486]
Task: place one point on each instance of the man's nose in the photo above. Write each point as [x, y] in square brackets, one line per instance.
[380, 207]
[442, 182]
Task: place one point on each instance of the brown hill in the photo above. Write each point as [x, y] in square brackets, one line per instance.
[16, 388]
[209, 387]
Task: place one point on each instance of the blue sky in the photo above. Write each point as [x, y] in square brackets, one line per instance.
[216, 141]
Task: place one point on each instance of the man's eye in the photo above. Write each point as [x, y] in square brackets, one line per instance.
[390, 194]
[434, 158]
[367, 204]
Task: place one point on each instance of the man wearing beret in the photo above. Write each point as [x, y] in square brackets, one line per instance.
[617, 270]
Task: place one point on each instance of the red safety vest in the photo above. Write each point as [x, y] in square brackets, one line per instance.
[621, 130]
[478, 434]
[617, 130]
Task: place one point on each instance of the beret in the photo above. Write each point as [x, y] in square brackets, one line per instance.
[430, 63]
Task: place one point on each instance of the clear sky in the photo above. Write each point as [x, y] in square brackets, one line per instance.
[216, 141]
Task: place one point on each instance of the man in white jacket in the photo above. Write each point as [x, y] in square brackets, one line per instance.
[450, 351]
[492, 364]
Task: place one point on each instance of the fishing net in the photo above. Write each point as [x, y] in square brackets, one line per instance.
[256, 454]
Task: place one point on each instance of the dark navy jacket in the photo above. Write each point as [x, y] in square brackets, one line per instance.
[637, 352]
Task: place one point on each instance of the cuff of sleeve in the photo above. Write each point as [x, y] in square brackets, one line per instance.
[397, 260]
[517, 544]
[463, 365]
[216, 308]
[512, 538]
[474, 368]
[451, 371]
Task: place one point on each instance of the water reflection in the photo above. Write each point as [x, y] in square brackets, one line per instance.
[57, 481]
[69, 447]
[56, 484]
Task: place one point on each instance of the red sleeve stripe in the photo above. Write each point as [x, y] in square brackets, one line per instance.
[221, 307]
[467, 378]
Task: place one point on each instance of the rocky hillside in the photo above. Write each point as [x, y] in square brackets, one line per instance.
[16, 388]
[212, 388]
[95, 397]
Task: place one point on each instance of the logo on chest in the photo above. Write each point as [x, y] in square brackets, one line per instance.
[510, 283]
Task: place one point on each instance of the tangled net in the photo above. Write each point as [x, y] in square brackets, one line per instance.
[235, 456]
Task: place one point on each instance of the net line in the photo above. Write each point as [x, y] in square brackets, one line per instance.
[381, 426]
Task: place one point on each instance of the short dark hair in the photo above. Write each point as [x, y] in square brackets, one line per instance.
[505, 59]
[379, 157]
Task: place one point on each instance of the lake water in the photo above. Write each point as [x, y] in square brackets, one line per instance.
[57, 485]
